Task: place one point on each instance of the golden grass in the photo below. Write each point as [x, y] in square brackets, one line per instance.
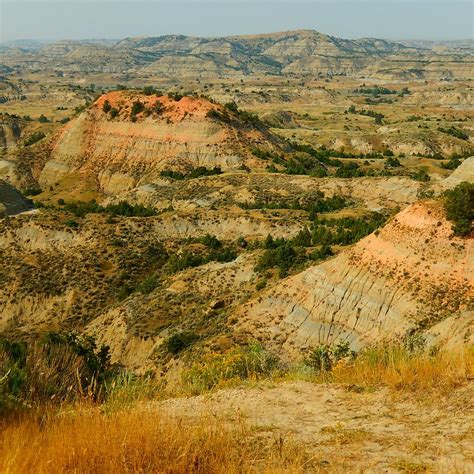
[397, 369]
[87, 440]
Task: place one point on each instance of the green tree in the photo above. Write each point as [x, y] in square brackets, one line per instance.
[459, 207]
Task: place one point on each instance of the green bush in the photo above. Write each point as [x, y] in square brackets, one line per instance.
[137, 107]
[280, 254]
[455, 132]
[323, 358]
[149, 284]
[193, 174]
[189, 259]
[33, 191]
[150, 90]
[313, 204]
[123, 208]
[34, 138]
[392, 162]
[106, 107]
[459, 207]
[179, 341]
[252, 362]
[72, 223]
[57, 368]
[452, 164]
[421, 175]
[346, 230]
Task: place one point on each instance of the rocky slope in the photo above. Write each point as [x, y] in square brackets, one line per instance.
[293, 52]
[412, 275]
[132, 149]
[465, 172]
[233, 189]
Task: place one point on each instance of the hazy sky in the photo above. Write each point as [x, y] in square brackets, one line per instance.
[392, 19]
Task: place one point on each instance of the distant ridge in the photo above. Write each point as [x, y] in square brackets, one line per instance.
[300, 53]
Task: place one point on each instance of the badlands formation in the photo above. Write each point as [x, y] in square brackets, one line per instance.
[130, 148]
[289, 53]
[268, 233]
[412, 275]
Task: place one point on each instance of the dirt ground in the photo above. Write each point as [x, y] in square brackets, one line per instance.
[347, 430]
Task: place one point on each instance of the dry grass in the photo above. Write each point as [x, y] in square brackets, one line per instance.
[87, 440]
[398, 369]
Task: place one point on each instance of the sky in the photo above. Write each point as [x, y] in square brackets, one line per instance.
[87, 19]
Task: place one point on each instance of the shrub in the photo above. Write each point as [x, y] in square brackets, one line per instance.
[232, 106]
[34, 138]
[323, 358]
[175, 96]
[349, 170]
[179, 341]
[106, 107]
[149, 284]
[392, 162]
[33, 191]
[194, 173]
[242, 363]
[158, 107]
[188, 259]
[452, 164]
[72, 223]
[455, 132]
[43, 119]
[280, 254]
[324, 252]
[210, 241]
[346, 230]
[114, 112]
[150, 90]
[137, 107]
[123, 208]
[420, 175]
[57, 368]
[459, 207]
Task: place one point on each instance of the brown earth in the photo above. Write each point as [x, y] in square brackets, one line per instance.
[348, 431]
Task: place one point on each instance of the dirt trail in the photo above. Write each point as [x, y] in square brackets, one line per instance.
[348, 431]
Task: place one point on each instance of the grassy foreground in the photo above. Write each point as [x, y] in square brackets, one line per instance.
[116, 433]
[136, 441]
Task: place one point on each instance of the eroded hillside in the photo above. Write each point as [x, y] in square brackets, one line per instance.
[411, 275]
[126, 139]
